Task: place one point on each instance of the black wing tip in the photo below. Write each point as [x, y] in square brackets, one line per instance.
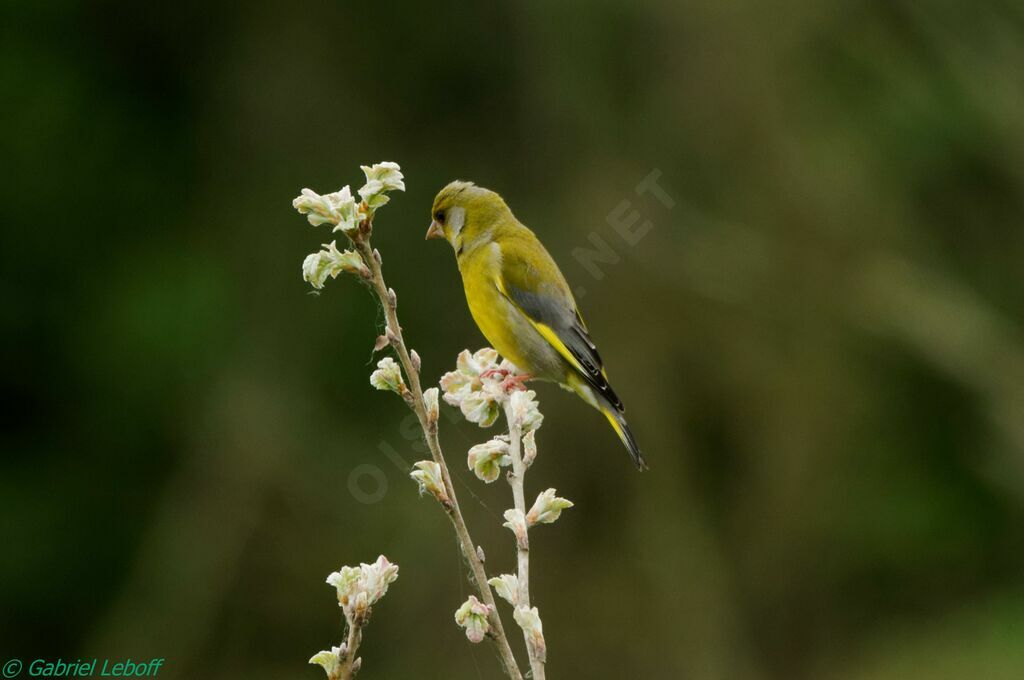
[608, 393]
[634, 449]
[638, 459]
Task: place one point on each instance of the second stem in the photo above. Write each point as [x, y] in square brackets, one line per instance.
[516, 481]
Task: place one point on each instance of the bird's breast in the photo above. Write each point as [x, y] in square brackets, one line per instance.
[506, 328]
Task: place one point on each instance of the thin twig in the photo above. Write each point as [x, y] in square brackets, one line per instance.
[349, 665]
[429, 427]
[516, 480]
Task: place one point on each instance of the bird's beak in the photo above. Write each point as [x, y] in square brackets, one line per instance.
[435, 231]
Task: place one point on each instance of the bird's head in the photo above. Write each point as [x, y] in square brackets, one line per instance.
[465, 214]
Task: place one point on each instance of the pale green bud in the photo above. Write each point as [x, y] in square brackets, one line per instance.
[468, 368]
[507, 587]
[315, 269]
[388, 376]
[547, 508]
[528, 619]
[477, 386]
[357, 607]
[481, 408]
[347, 210]
[478, 362]
[516, 522]
[430, 402]
[330, 261]
[380, 178]
[338, 208]
[487, 459]
[373, 194]
[346, 582]
[377, 577]
[330, 660]
[529, 448]
[472, 616]
[524, 410]
[360, 587]
[428, 475]
[317, 209]
[387, 173]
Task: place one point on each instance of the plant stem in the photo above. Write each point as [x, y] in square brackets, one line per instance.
[347, 669]
[429, 426]
[516, 480]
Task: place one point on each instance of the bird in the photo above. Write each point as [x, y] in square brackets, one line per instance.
[521, 302]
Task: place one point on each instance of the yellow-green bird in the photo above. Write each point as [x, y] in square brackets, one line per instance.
[520, 300]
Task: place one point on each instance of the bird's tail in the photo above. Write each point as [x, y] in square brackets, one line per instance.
[621, 427]
[615, 417]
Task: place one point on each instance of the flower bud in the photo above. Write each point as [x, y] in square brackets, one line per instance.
[467, 387]
[358, 607]
[349, 216]
[428, 475]
[529, 620]
[547, 508]
[373, 194]
[377, 577]
[380, 178]
[515, 521]
[346, 582]
[529, 448]
[480, 407]
[330, 261]
[337, 208]
[524, 410]
[430, 402]
[472, 616]
[329, 660]
[487, 459]
[507, 587]
[317, 209]
[388, 376]
[361, 587]
[388, 173]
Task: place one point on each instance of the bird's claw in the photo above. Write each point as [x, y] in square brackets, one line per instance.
[509, 381]
[515, 382]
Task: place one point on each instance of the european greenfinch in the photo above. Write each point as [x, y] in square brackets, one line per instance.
[521, 301]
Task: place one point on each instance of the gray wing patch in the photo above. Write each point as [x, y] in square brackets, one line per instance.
[556, 313]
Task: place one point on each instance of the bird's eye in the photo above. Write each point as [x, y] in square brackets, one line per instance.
[439, 216]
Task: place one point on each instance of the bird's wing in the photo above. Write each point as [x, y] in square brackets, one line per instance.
[531, 280]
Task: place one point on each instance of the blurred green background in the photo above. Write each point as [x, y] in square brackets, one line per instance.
[820, 344]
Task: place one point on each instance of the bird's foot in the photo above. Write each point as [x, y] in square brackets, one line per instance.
[509, 381]
[495, 371]
[515, 382]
